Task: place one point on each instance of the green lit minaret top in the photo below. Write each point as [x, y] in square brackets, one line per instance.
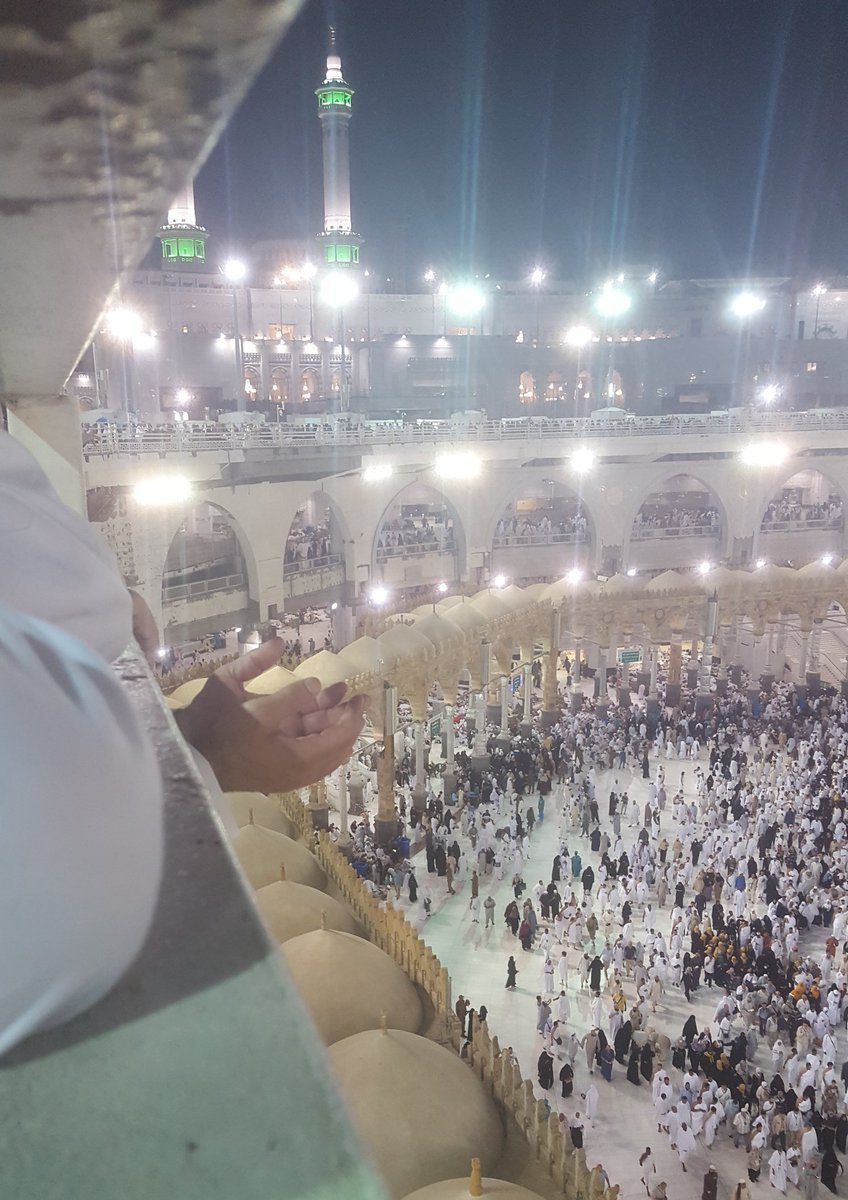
[339, 244]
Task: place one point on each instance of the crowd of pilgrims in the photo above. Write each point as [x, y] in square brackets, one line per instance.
[675, 517]
[744, 868]
[417, 533]
[542, 525]
[308, 543]
[790, 508]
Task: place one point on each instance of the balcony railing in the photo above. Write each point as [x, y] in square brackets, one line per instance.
[540, 539]
[801, 524]
[203, 587]
[644, 533]
[311, 564]
[113, 440]
[414, 550]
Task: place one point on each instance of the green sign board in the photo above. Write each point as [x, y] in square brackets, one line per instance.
[627, 657]
[436, 727]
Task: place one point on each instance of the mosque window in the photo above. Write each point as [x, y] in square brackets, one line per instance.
[199, 250]
[356, 254]
[186, 246]
[343, 254]
[169, 248]
[330, 253]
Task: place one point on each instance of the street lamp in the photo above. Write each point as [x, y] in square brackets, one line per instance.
[578, 336]
[747, 304]
[309, 271]
[583, 460]
[235, 271]
[339, 289]
[429, 275]
[537, 278]
[612, 301]
[818, 291]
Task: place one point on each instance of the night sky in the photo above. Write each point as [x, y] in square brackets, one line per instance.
[705, 139]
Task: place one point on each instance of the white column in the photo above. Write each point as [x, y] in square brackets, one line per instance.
[527, 678]
[419, 755]
[815, 647]
[480, 731]
[449, 758]
[503, 687]
[709, 638]
[802, 662]
[343, 800]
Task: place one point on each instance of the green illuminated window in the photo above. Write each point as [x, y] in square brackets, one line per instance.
[328, 98]
[330, 253]
[186, 246]
[199, 250]
[169, 248]
[342, 253]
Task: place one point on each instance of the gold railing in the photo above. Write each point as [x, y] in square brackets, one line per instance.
[496, 1068]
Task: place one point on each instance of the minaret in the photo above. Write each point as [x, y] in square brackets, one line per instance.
[183, 241]
[339, 244]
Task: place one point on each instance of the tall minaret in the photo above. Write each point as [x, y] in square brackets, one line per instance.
[183, 241]
[339, 244]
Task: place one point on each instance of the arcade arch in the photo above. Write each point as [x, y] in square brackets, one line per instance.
[542, 515]
[419, 539]
[526, 388]
[803, 520]
[682, 516]
[206, 581]
[314, 553]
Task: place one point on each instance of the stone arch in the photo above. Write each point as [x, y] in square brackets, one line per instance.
[310, 386]
[660, 487]
[799, 518]
[252, 383]
[561, 504]
[280, 386]
[408, 495]
[554, 388]
[535, 479]
[219, 549]
[526, 388]
[340, 541]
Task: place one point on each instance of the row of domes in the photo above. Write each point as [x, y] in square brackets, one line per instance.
[420, 1112]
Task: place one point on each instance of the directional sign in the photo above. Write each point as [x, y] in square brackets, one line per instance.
[628, 657]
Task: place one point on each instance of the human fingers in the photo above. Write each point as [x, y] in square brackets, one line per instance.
[318, 721]
[331, 695]
[285, 709]
[263, 658]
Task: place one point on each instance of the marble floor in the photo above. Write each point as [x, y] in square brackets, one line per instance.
[476, 958]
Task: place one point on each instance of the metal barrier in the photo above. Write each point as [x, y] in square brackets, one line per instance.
[115, 440]
[643, 533]
[202, 587]
[414, 550]
[802, 524]
[539, 539]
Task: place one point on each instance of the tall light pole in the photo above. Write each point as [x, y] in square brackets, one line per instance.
[234, 270]
[309, 271]
[537, 278]
[818, 291]
[124, 324]
[338, 289]
[578, 336]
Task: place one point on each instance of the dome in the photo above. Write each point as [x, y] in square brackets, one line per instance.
[269, 682]
[266, 812]
[186, 692]
[816, 570]
[513, 596]
[449, 602]
[371, 984]
[534, 591]
[324, 666]
[435, 628]
[292, 909]
[261, 852]
[421, 1113]
[557, 591]
[666, 581]
[620, 584]
[465, 617]
[457, 1189]
[402, 641]
[364, 657]
[490, 605]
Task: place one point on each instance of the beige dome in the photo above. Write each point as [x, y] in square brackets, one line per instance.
[401, 641]
[363, 656]
[266, 812]
[665, 581]
[621, 585]
[186, 692]
[421, 1113]
[457, 1189]
[346, 983]
[269, 681]
[816, 570]
[490, 605]
[535, 591]
[465, 617]
[448, 603]
[513, 596]
[291, 909]
[436, 629]
[261, 852]
[324, 666]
